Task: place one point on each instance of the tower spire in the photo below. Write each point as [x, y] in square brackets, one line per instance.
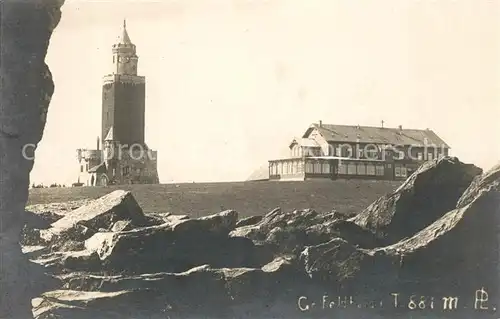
[125, 39]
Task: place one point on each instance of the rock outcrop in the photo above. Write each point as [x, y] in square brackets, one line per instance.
[279, 266]
[425, 196]
[97, 215]
[27, 88]
[462, 247]
[292, 231]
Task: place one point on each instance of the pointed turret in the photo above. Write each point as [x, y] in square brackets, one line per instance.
[110, 146]
[125, 59]
[124, 38]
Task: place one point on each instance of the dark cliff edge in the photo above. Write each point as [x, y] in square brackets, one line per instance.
[27, 86]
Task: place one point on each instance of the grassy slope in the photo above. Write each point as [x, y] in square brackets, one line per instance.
[248, 198]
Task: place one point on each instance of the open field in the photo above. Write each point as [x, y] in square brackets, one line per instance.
[247, 198]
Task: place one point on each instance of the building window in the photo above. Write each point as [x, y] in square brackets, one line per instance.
[397, 171]
[404, 172]
[342, 169]
[370, 169]
[125, 170]
[419, 156]
[317, 168]
[399, 155]
[309, 167]
[338, 151]
[360, 153]
[326, 168]
[351, 169]
[371, 152]
[346, 151]
[361, 169]
[300, 167]
[379, 170]
[81, 168]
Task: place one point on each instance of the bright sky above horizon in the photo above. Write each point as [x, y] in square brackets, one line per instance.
[230, 83]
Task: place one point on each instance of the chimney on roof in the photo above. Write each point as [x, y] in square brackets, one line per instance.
[320, 123]
[401, 127]
[98, 143]
[382, 123]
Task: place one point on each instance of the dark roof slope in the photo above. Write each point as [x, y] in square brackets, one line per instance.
[377, 135]
[101, 168]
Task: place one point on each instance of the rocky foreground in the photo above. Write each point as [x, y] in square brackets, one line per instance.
[411, 252]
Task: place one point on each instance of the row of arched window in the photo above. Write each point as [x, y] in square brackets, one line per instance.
[298, 167]
[354, 168]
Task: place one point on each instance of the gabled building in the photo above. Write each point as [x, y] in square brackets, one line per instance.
[125, 157]
[330, 151]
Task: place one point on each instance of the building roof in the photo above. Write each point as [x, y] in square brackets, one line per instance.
[110, 135]
[307, 142]
[101, 168]
[124, 38]
[377, 135]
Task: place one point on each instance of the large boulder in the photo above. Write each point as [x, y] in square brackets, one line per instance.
[217, 224]
[98, 214]
[42, 216]
[430, 192]
[459, 252]
[482, 183]
[291, 231]
[177, 246]
[339, 263]
[250, 220]
[198, 292]
[62, 261]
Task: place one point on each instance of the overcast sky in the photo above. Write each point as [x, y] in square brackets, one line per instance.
[230, 83]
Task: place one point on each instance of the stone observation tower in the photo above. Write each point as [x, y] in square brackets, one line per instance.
[125, 158]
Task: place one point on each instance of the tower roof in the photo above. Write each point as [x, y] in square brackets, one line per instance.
[124, 38]
[109, 136]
